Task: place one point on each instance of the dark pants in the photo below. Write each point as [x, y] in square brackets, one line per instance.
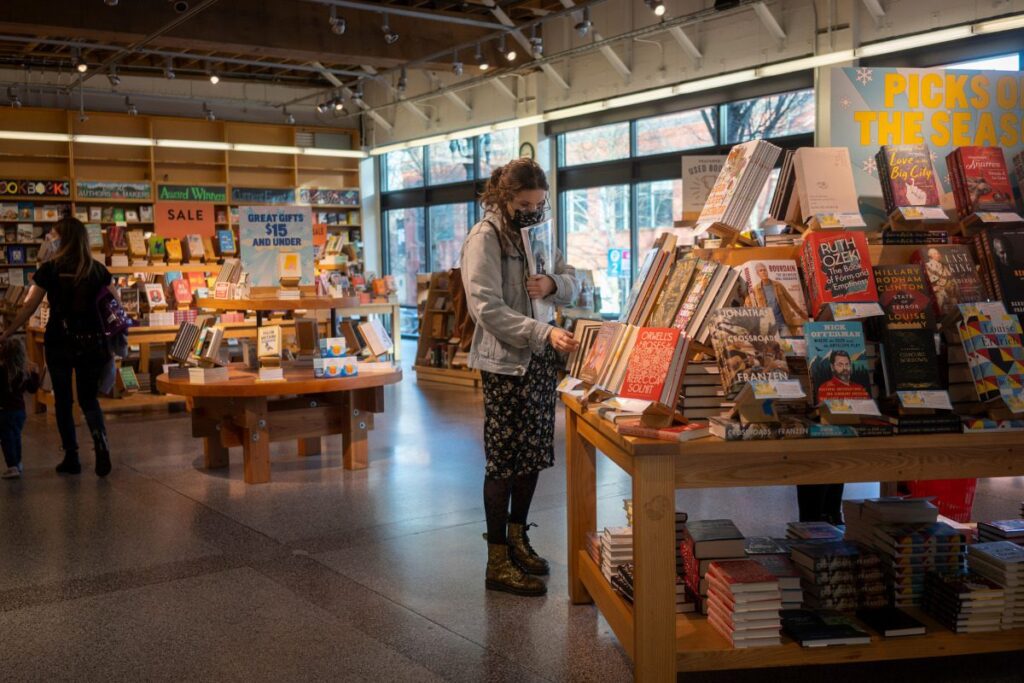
[11, 424]
[87, 366]
[820, 503]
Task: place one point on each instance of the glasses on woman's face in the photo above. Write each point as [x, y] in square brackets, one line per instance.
[530, 207]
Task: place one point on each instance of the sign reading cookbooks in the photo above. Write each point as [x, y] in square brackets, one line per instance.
[91, 189]
[266, 232]
[38, 188]
[941, 108]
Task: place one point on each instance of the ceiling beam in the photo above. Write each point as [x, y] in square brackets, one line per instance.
[408, 106]
[875, 9]
[500, 86]
[333, 80]
[611, 55]
[687, 45]
[399, 11]
[505, 20]
[770, 22]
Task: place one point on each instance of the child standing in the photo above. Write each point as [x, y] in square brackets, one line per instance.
[16, 379]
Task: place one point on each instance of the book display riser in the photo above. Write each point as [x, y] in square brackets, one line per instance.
[437, 314]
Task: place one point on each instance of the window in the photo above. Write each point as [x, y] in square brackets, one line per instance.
[676, 132]
[449, 225]
[596, 220]
[589, 146]
[790, 113]
[659, 204]
[403, 169]
[1010, 62]
[450, 162]
[406, 246]
[497, 149]
[764, 201]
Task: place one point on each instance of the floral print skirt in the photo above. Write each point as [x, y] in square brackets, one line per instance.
[519, 418]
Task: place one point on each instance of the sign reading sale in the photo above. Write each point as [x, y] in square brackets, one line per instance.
[178, 219]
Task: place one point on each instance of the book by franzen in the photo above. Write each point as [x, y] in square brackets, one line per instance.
[775, 284]
[908, 328]
[837, 267]
[747, 346]
[836, 362]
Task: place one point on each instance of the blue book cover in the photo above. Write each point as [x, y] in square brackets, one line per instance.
[226, 241]
[836, 361]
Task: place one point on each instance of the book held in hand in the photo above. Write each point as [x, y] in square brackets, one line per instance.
[539, 247]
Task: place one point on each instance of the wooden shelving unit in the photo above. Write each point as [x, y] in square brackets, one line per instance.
[437, 318]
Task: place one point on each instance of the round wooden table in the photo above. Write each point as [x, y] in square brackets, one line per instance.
[246, 412]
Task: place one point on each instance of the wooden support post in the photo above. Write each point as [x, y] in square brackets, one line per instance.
[215, 455]
[654, 529]
[256, 442]
[355, 451]
[581, 475]
[309, 447]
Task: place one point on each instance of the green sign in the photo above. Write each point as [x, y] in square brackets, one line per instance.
[192, 193]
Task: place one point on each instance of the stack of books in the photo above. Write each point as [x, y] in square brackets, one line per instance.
[1002, 530]
[685, 602]
[681, 519]
[783, 569]
[594, 547]
[703, 542]
[622, 581]
[739, 185]
[813, 531]
[744, 600]
[1002, 563]
[702, 395]
[616, 549]
[839, 575]
[913, 550]
[964, 603]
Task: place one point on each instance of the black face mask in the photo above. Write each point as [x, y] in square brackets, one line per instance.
[522, 219]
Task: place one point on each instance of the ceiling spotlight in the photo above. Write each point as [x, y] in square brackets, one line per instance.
[110, 3]
[480, 61]
[584, 26]
[214, 78]
[169, 69]
[76, 58]
[456, 64]
[208, 113]
[510, 55]
[338, 24]
[339, 105]
[357, 92]
[15, 101]
[323, 107]
[114, 79]
[132, 109]
[289, 118]
[390, 37]
[656, 6]
[403, 81]
[82, 117]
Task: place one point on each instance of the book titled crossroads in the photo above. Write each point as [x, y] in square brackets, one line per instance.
[747, 346]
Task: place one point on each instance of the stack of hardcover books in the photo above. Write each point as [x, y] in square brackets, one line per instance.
[964, 603]
[616, 549]
[1002, 530]
[813, 531]
[703, 542]
[744, 600]
[1002, 563]
[839, 575]
[739, 185]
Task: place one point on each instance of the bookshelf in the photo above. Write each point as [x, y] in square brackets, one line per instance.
[434, 352]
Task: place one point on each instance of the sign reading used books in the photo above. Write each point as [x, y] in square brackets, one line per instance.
[192, 193]
[699, 176]
[266, 232]
[940, 108]
[179, 219]
[258, 195]
[37, 188]
[91, 189]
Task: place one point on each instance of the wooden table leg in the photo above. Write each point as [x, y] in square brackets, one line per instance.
[355, 450]
[581, 476]
[215, 455]
[396, 332]
[308, 447]
[256, 442]
[654, 618]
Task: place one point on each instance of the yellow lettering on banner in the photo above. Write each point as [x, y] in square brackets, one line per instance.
[864, 119]
[1010, 125]
[940, 123]
[895, 84]
[1006, 92]
[979, 86]
[961, 129]
[912, 121]
[889, 128]
[956, 91]
[929, 97]
[986, 134]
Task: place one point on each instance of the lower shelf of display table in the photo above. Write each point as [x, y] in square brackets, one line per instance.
[699, 647]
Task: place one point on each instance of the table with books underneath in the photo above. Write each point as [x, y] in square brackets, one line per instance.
[245, 411]
[955, 419]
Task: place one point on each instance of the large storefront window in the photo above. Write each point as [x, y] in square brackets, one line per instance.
[593, 145]
[497, 149]
[776, 116]
[659, 204]
[450, 162]
[676, 132]
[449, 225]
[596, 222]
[403, 169]
[407, 253]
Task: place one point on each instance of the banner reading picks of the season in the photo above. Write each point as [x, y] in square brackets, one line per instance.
[265, 232]
[941, 108]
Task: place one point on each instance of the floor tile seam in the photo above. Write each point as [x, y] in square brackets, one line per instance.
[398, 605]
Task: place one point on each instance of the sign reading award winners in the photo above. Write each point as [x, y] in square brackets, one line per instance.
[267, 231]
[941, 108]
[192, 193]
[180, 219]
[89, 189]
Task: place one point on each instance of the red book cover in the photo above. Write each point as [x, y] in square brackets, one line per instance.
[741, 572]
[182, 293]
[911, 175]
[986, 180]
[649, 363]
[840, 269]
[952, 276]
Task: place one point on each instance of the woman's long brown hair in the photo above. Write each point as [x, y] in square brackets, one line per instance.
[74, 255]
[505, 183]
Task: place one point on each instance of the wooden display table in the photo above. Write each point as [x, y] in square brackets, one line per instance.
[662, 643]
[246, 412]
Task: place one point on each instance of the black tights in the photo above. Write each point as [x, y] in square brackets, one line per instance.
[820, 502]
[498, 493]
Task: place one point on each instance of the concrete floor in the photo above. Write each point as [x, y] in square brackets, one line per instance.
[167, 572]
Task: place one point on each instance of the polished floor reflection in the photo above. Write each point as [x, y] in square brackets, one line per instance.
[167, 572]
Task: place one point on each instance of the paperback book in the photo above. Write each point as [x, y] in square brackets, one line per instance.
[747, 347]
[775, 284]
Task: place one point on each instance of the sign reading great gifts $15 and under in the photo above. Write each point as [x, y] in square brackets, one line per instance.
[941, 108]
[267, 231]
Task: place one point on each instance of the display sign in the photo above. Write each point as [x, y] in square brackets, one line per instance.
[699, 176]
[618, 262]
[180, 219]
[942, 108]
[91, 189]
[192, 193]
[266, 232]
[262, 195]
[35, 188]
[323, 197]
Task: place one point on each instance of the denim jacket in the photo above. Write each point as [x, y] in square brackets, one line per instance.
[506, 335]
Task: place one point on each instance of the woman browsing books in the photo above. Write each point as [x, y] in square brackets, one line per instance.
[518, 356]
